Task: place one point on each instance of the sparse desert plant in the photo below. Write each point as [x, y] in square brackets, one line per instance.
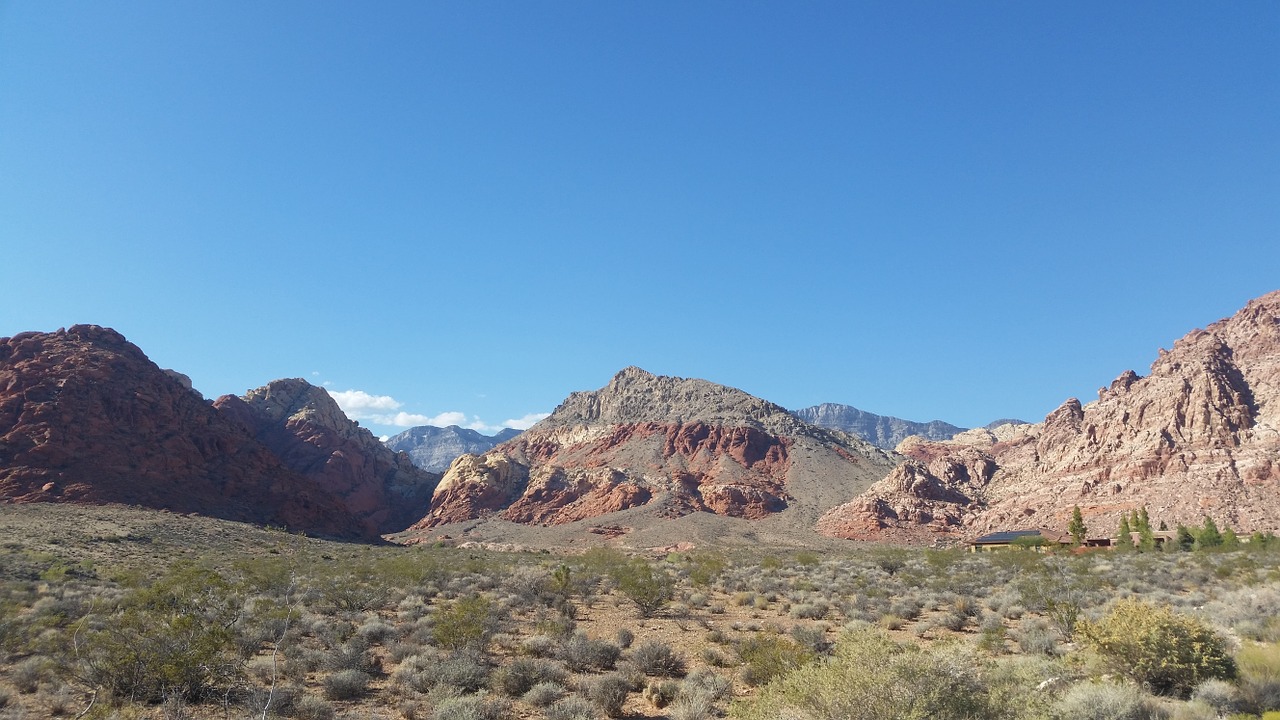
[544, 694]
[609, 693]
[1220, 695]
[584, 654]
[661, 692]
[647, 588]
[521, 674]
[573, 708]
[310, 707]
[657, 659]
[471, 707]
[1159, 647]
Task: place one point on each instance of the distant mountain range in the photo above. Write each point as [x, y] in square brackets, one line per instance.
[435, 448]
[86, 417]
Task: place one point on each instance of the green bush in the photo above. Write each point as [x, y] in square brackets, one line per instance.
[871, 677]
[465, 623]
[647, 588]
[1155, 646]
[769, 656]
[1259, 668]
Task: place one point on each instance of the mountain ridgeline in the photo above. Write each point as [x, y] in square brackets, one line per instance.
[435, 448]
[880, 430]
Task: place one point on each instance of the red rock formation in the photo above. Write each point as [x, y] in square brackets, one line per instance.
[1200, 435]
[86, 417]
[687, 445]
[307, 430]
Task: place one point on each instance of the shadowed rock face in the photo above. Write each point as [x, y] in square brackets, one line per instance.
[311, 435]
[1200, 435]
[677, 444]
[86, 417]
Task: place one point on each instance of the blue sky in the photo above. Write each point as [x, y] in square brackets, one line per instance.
[464, 211]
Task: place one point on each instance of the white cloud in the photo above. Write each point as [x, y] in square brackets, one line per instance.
[525, 422]
[386, 410]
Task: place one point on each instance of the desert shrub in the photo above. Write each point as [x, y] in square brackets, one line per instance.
[346, 685]
[713, 657]
[27, 675]
[692, 707]
[353, 655]
[172, 639]
[573, 708]
[1165, 650]
[462, 672]
[648, 589]
[871, 677]
[465, 623]
[375, 630]
[310, 707]
[1221, 695]
[812, 637]
[520, 675]
[5, 698]
[539, 646]
[625, 637]
[1259, 669]
[1037, 638]
[809, 611]
[584, 654]
[657, 659]
[1106, 701]
[543, 694]
[769, 656]
[471, 707]
[661, 692]
[609, 693]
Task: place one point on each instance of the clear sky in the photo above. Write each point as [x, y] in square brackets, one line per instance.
[464, 211]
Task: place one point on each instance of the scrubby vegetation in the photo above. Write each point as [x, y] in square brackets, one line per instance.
[301, 628]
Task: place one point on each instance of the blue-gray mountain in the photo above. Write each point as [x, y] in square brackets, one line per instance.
[434, 448]
[880, 430]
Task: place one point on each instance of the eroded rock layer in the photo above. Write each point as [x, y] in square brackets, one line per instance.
[677, 444]
[1199, 435]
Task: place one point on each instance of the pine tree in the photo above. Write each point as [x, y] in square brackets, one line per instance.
[1125, 539]
[1144, 520]
[1208, 537]
[1079, 531]
[1184, 540]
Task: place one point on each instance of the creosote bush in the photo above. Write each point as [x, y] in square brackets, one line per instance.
[1156, 646]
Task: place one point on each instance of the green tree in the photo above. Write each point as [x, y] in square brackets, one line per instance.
[1156, 646]
[1079, 531]
[1208, 537]
[1124, 536]
[1230, 541]
[1183, 539]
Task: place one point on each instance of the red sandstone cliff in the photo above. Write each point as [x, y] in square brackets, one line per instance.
[86, 417]
[1200, 435]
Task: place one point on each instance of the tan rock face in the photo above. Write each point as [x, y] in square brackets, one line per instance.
[307, 430]
[685, 445]
[1200, 435]
[86, 417]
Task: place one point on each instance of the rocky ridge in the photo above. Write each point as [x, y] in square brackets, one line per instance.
[1199, 435]
[676, 445]
[880, 430]
[435, 448]
[311, 435]
[85, 416]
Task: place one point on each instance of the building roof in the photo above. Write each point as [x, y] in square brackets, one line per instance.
[1006, 537]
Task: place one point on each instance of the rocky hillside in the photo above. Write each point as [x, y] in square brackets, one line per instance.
[435, 448]
[307, 430]
[1199, 435]
[880, 430]
[85, 416]
[672, 445]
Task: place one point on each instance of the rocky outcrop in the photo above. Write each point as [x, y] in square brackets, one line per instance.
[311, 435]
[674, 445]
[86, 417]
[435, 448]
[880, 430]
[1199, 435]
